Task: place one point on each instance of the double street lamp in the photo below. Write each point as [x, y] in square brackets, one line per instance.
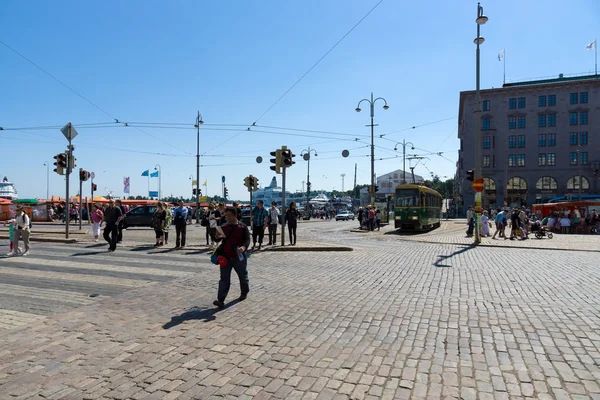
[412, 146]
[372, 125]
[306, 156]
[199, 122]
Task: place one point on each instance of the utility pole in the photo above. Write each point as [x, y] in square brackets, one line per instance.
[198, 123]
[354, 187]
[343, 176]
[69, 132]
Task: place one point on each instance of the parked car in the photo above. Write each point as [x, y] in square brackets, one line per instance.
[139, 216]
[344, 216]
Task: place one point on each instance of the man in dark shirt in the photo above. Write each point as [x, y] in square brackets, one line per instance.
[234, 245]
[112, 217]
[121, 224]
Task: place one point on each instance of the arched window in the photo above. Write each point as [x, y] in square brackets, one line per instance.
[573, 183]
[546, 183]
[516, 183]
[489, 184]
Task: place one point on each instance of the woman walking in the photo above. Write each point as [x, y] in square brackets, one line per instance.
[97, 217]
[168, 221]
[158, 223]
[291, 216]
[214, 216]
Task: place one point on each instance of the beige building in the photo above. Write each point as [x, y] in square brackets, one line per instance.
[539, 138]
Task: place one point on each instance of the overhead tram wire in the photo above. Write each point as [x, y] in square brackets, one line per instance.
[382, 136]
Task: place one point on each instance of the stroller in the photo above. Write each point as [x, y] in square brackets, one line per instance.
[543, 232]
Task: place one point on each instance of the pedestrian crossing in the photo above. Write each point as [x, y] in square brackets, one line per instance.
[56, 277]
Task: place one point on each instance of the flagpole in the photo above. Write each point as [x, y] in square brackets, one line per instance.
[596, 48]
[504, 71]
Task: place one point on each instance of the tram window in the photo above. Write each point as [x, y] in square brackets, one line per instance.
[407, 198]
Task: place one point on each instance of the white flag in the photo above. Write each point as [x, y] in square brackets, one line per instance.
[591, 46]
[126, 184]
[501, 55]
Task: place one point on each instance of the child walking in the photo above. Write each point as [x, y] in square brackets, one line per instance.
[11, 223]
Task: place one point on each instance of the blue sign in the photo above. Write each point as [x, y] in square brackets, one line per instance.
[152, 194]
[223, 179]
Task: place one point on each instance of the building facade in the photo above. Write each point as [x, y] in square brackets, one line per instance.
[541, 139]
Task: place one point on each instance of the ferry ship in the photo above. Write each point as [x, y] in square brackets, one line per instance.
[7, 190]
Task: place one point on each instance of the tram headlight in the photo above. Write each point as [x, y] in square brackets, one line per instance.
[398, 218]
[414, 218]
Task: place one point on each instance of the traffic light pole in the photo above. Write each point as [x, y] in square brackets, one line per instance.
[80, 201]
[67, 211]
[283, 206]
[91, 200]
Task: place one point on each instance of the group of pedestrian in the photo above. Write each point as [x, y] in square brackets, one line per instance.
[262, 218]
[19, 228]
[369, 218]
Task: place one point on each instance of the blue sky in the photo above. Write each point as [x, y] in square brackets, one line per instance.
[155, 61]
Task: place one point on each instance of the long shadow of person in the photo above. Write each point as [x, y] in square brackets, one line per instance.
[196, 313]
[438, 262]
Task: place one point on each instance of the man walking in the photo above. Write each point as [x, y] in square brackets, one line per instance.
[180, 219]
[470, 221]
[499, 221]
[273, 221]
[112, 218]
[121, 224]
[235, 241]
[259, 220]
[21, 230]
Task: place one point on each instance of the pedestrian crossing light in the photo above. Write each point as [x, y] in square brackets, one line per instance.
[247, 182]
[194, 192]
[94, 187]
[83, 175]
[276, 161]
[225, 192]
[254, 183]
[471, 175]
[288, 158]
[62, 163]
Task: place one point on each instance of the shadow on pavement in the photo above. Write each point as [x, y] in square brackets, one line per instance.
[399, 232]
[196, 313]
[103, 244]
[141, 248]
[88, 253]
[438, 262]
[190, 253]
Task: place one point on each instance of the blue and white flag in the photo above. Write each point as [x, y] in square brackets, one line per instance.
[146, 172]
[154, 174]
[501, 55]
[591, 46]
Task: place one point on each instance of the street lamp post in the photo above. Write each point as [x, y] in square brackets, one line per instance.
[306, 156]
[199, 122]
[412, 146]
[481, 19]
[158, 168]
[372, 109]
[47, 165]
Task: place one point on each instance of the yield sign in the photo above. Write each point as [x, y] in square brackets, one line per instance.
[478, 185]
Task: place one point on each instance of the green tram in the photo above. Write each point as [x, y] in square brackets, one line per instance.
[417, 207]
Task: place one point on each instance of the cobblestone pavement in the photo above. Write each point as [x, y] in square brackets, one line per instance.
[409, 320]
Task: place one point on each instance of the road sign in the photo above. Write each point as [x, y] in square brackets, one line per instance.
[69, 131]
[92, 175]
[478, 185]
[153, 194]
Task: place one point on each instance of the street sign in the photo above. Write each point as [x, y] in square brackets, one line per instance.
[478, 185]
[92, 175]
[69, 133]
[153, 194]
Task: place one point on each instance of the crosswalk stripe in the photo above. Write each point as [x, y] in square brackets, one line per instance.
[45, 294]
[179, 260]
[97, 267]
[13, 319]
[63, 276]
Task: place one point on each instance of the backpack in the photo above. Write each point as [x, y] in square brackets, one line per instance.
[29, 220]
[155, 222]
[504, 220]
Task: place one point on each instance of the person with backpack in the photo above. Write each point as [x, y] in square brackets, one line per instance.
[234, 242]
[158, 223]
[180, 219]
[22, 229]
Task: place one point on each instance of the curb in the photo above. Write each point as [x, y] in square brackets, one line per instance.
[294, 248]
[46, 240]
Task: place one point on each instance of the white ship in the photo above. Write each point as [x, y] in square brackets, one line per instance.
[7, 190]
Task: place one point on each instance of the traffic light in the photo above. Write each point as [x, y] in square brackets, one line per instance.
[83, 175]
[376, 189]
[194, 191]
[62, 162]
[276, 161]
[71, 163]
[288, 157]
[94, 187]
[254, 183]
[308, 187]
[247, 182]
[471, 175]
[225, 192]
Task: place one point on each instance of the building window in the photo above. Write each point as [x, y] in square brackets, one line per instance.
[512, 160]
[542, 140]
[551, 159]
[583, 118]
[573, 158]
[521, 121]
[572, 118]
[583, 158]
[542, 101]
[552, 139]
[512, 141]
[551, 100]
[521, 102]
[573, 139]
[583, 136]
[583, 97]
[485, 124]
[512, 103]
[546, 183]
[573, 183]
[541, 120]
[487, 142]
[573, 98]
[542, 160]
[486, 161]
[512, 122]
[521, 142]
[551, 119]
[521, 160]
[486, 105]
